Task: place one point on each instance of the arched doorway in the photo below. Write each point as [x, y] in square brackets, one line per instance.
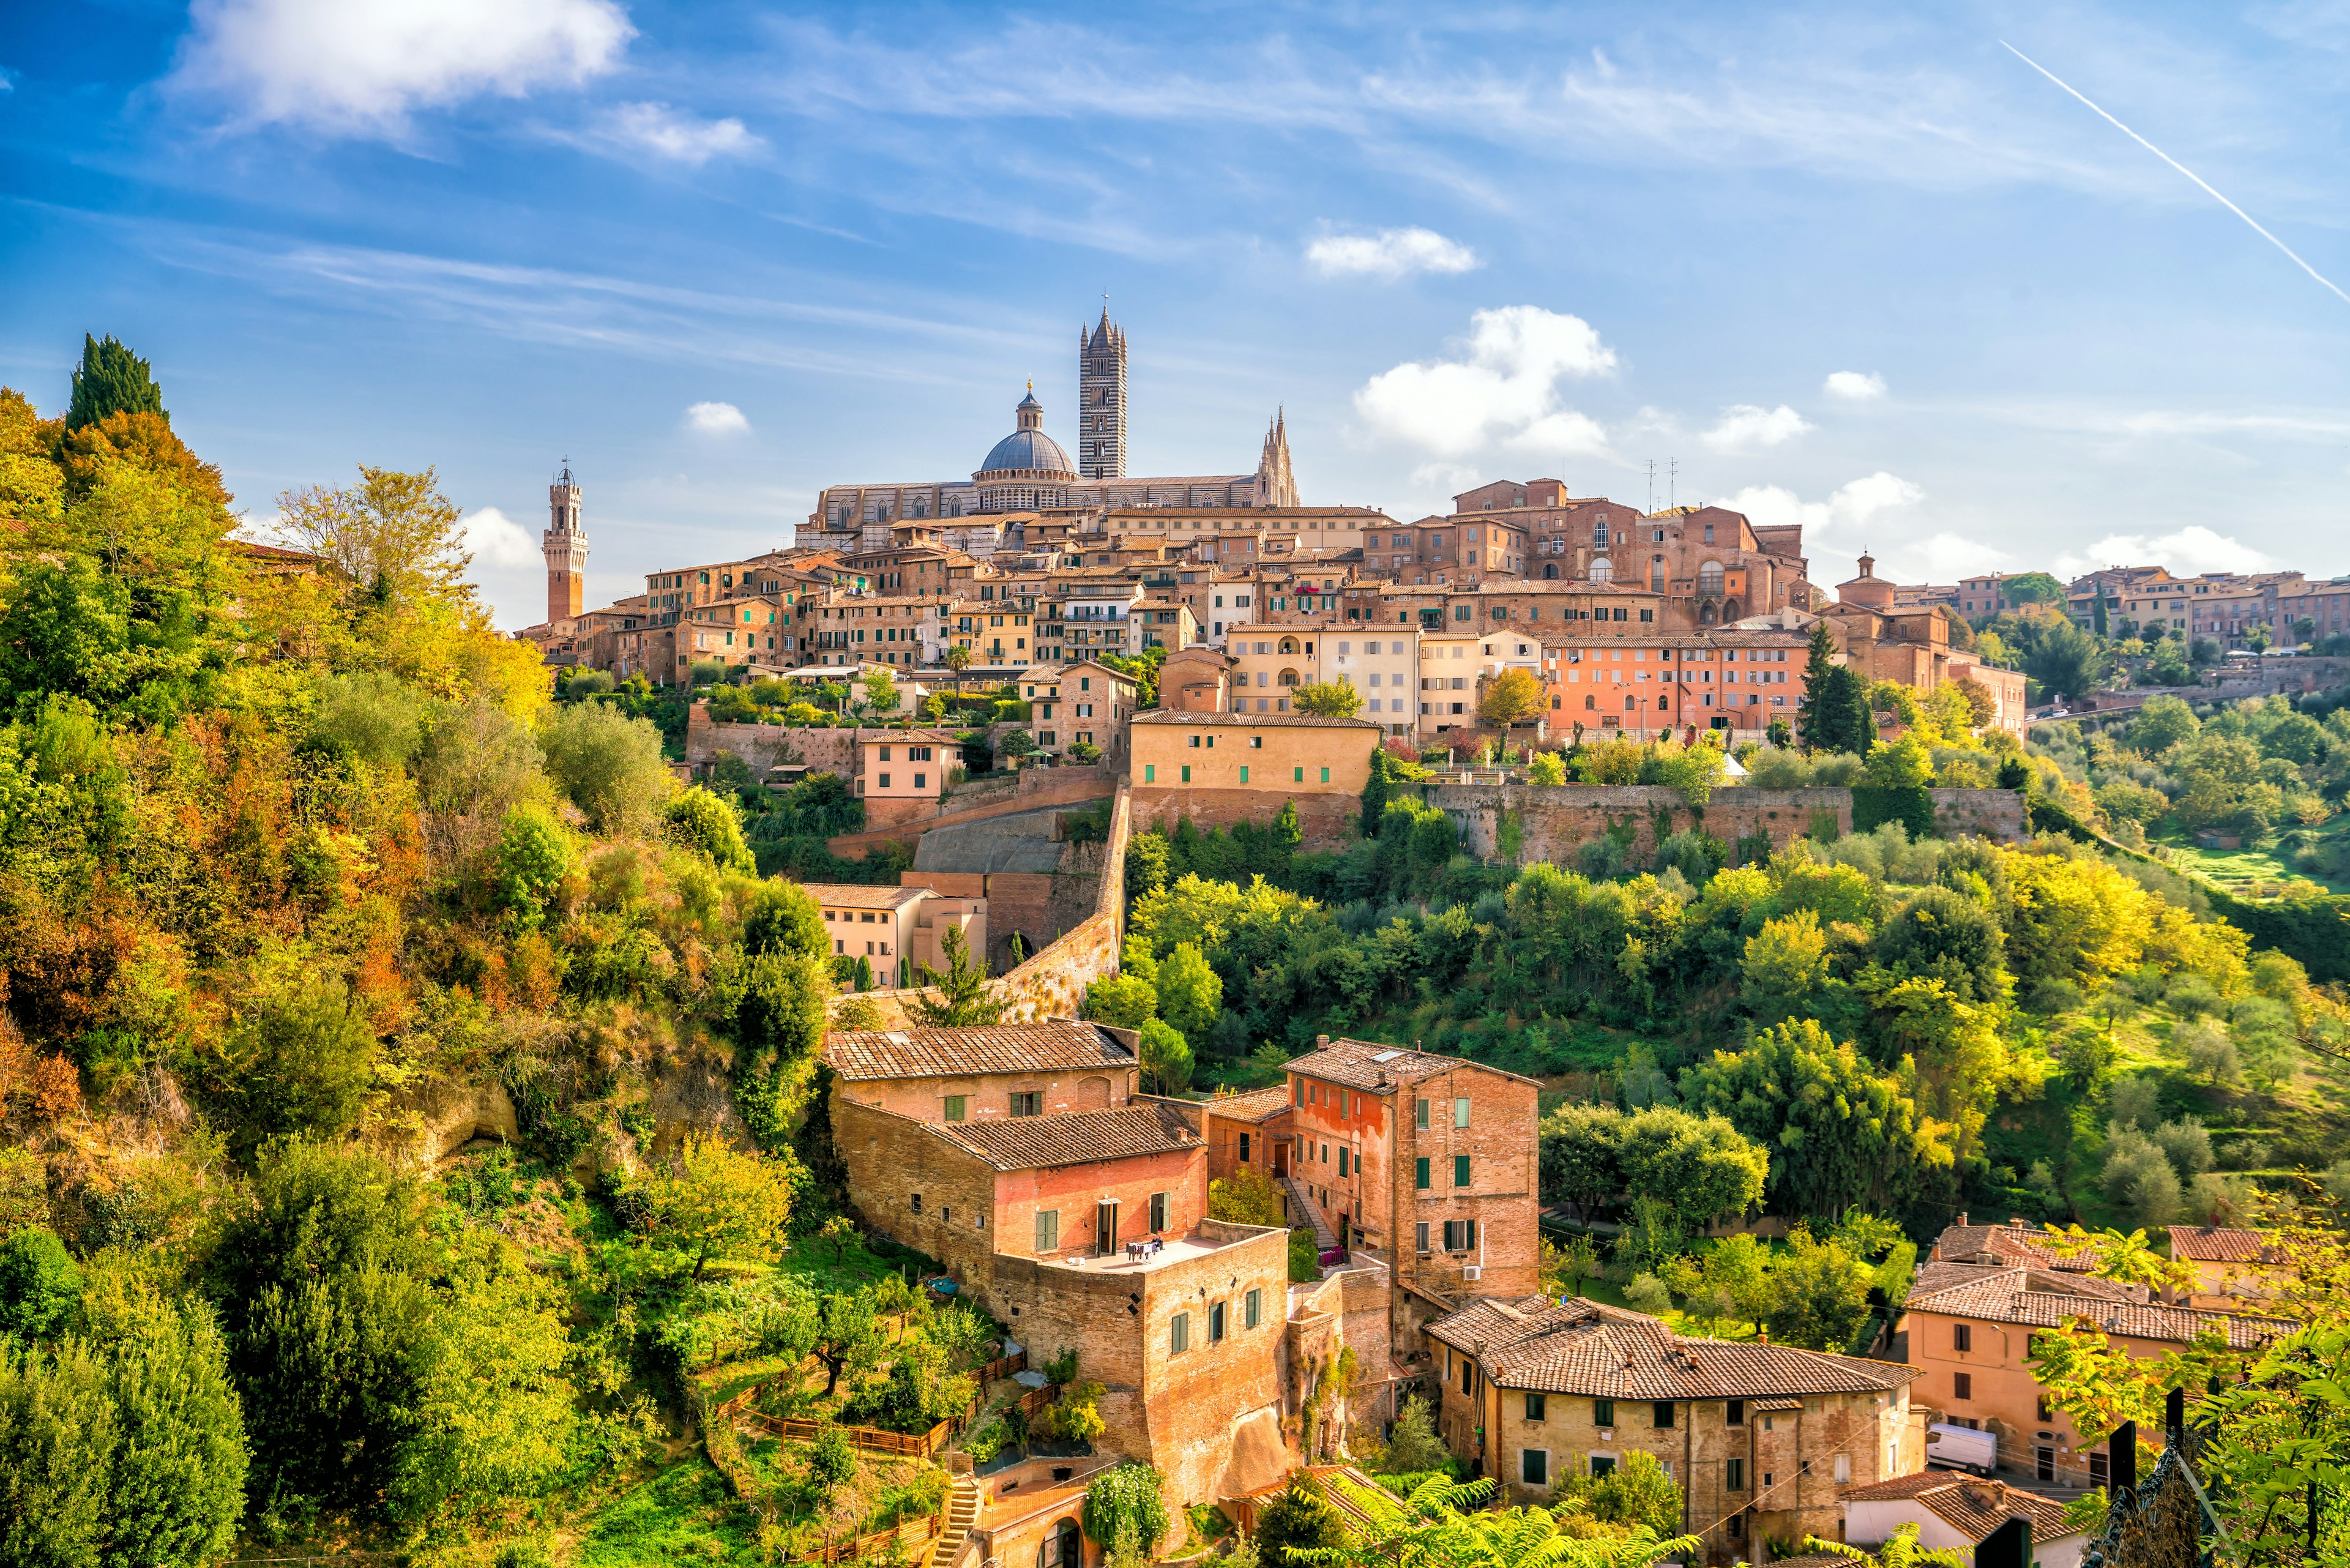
[1063, 1547]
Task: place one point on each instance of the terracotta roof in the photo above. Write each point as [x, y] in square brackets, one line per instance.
[1304, 721]
[2032, 1299]
[856, 896]
[1974, 1508]
[1075, 1137]
[1253, 1107]
[964, 1053]
[1362, 1063]
[913, 738]
[2217, 1244]
[1936, 1277]
[1586, 1348]
[2006, 1244]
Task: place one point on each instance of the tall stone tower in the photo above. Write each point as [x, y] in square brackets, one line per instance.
[1101, 401]
[1276, 485]
[566, 547]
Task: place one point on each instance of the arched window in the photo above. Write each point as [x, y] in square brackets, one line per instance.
[1288, 645]
[1591, 701]
[1602, 570]
[1550, 569]
[1656, 575]
[1289, 678]
[1708, 578]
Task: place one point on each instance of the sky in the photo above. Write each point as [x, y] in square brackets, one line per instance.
[1971, 287]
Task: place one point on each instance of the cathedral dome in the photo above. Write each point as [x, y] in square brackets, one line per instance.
[1028, 452]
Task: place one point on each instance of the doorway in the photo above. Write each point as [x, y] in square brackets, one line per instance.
[1105, 1228]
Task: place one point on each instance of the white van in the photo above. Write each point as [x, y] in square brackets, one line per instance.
[1960, 1448]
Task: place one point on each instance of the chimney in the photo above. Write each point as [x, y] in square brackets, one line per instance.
[1763, 1337]
[1962, 1216]
[1321, 1040]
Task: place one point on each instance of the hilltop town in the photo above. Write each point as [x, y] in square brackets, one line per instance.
[1075, 1019]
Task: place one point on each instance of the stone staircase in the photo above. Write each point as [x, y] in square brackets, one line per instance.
[1301, 1202]
[962, 1512]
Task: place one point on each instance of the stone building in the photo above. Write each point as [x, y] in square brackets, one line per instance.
[1223, 768]
[900, 929]
[1427, 1161]
[1760, 1438]
[1248, 1131]
[1029, 1195]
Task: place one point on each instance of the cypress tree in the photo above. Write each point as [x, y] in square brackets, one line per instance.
[111, 379]
[1811, 712]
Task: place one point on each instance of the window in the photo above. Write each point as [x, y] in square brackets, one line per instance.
[1251, 1309]
[1149, 773]
[1244, 773]
[1031, 1103]
[1420, 1173]
[2042, 1408]
[1326, 775]
[1244, 1148]
[1963, 1336]
[1419, 1237]
[1301, 1090]
[956, 1106]
[1844, 1469]
[1159, 1211]
[1297, 775]
[1461, 1112]
[1420, 1113]
[1602, 1465]
[1535, 1404]
[1603, 1412]
[1734, 1413]
[1341, 1159]
[1664, 1414]
[1460, 1171]
[1187, 773]
[1178, 1333]
[1534, 1466]
[2099, 1468]
[1963, 1385]
[1256, 743]
[1216, 1324]
[1733, 1475]
[917, 1203]
[1460, 1235]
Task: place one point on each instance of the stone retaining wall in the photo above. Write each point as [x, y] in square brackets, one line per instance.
[1556, 820]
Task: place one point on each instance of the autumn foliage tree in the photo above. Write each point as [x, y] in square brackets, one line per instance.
[1514, 697]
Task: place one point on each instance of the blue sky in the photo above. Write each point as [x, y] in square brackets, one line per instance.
[1849, 265]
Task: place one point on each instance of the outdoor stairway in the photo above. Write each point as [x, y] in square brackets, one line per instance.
[1301, 1201]
[962, 1512]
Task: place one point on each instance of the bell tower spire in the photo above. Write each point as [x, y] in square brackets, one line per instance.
[1101, 398]
[565, 546]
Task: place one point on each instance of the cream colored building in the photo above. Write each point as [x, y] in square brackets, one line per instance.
[906, 764]
[899, 930]
[1383, 664]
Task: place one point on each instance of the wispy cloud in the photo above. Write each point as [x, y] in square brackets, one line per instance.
[2190, 550]
[1390, 253]
[1856, 386]
[1746, 427]
[666, 132]
[363, 67]
[1504, 389]
[717, 420]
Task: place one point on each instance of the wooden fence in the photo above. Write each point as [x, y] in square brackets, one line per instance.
[858, 1548]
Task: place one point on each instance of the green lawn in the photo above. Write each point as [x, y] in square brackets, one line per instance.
[2240, 870]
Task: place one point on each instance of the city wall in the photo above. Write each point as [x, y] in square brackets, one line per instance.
[1328, 821]
[1556, 820]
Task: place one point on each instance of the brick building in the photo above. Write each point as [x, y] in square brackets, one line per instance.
[1970, 1329]
[998, 1152]
[1247, 1132]
[1427, 1161]
[1223, 768]
[1760, 1438]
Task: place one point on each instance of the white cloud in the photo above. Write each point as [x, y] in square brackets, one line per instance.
[1859, 385]
[1871, 513]
[1746, 427]
[362, 66]
[658, 129]
[717, 420]
[2191, 550]
[1854, 505]
[497, 540]
[1504, 389]
[1390, 253]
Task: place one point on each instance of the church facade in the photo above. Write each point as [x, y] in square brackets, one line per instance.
[1028, 470]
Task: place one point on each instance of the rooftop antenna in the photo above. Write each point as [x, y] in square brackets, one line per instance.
[1672, 483]
[1652, 485]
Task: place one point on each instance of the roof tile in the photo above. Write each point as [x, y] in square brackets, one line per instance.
[1971, 1506]
[1075, 1137]
[1586, 1348]
[2032, 1299]
[1058, 1046]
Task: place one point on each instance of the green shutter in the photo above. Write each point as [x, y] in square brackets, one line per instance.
[1420, 1173]
[1460, 1171]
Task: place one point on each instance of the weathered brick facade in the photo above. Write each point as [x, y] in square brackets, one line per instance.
[1557, 819]
[1429, 1161]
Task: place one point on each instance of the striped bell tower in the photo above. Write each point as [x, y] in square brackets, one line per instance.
[1101, 400]
[566, 547]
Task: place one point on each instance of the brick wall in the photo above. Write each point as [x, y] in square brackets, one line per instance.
[891, 1158]
[987, 1096]
[1502, 1195]
[1558, 819]
[1327, 821]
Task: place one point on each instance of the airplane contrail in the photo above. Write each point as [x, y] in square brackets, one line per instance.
[2175, 163]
